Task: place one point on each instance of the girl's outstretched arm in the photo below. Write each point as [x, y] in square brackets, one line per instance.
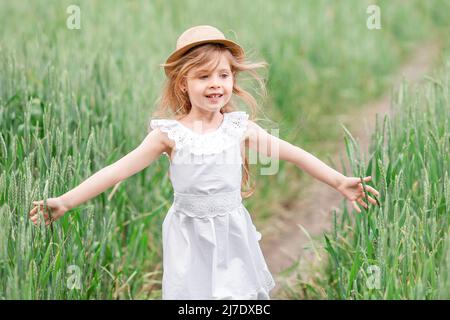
[350, 187]
[150, 149]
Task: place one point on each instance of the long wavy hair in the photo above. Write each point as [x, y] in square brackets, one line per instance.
[174, 103]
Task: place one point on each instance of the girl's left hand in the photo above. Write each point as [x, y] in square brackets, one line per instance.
[352, 189]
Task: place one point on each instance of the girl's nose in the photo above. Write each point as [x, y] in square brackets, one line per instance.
[215, 82]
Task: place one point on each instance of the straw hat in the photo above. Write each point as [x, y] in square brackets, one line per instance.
[200, 35]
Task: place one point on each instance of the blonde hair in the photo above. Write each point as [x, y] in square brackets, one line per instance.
[174, 103]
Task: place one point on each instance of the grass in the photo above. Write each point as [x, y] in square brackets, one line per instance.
[399, 250]
[74, 101]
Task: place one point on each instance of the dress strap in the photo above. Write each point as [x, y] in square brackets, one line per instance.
[171, 127]
[237, 124]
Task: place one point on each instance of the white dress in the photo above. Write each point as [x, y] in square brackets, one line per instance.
[210, 244]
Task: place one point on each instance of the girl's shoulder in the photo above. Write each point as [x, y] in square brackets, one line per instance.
[166, 128]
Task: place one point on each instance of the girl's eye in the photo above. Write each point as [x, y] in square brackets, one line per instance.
[224, 75]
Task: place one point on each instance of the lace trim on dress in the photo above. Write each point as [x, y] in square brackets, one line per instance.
[208, 205]
[232, 129]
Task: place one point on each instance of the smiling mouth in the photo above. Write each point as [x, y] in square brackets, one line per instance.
[215, 96]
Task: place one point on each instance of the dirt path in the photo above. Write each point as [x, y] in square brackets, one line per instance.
[283, 242]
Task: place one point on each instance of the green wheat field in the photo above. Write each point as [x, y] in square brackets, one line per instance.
[73, 101]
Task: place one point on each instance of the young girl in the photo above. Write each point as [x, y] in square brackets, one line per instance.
[210, 245]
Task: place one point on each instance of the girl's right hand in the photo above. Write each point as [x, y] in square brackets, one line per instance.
[55, 209]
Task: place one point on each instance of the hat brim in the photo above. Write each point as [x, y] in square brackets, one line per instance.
[236, 50]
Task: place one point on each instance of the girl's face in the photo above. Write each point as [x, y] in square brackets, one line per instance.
[210, 91]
